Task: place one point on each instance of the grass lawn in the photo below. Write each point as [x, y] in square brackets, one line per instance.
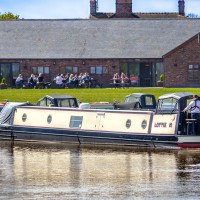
[87, 95]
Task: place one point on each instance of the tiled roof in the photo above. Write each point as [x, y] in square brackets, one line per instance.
[93, 39]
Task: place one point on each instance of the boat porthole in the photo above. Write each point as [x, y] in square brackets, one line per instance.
[24, 117]
[49, 119]
[128, 123]
[144, 124]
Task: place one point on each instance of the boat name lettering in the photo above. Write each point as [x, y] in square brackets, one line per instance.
[160, 125]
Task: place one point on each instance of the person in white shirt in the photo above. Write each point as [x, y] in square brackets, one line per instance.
[59, 80]
[194, 107]
[19, 81]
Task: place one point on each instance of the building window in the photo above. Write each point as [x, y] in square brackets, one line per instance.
[40, 70]
[99, 70]
[193, 72]
[105, 69]
[34, 70]
[76, 122]
[46, 70]
[92, 70]
[69, 69]
[75, 70]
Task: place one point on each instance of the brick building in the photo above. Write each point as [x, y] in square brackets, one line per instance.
[142, 45]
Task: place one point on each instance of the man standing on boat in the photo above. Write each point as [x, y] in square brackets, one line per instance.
[194, 107]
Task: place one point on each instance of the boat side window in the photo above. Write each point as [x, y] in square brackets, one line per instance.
[76, 122]
[168, 104]
[72, 103]
[43, 102]
[131, 99]
[49, 102]
[63, 103]
[148, 101]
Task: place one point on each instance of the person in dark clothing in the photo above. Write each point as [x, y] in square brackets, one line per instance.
[40, 78]
[31, 81]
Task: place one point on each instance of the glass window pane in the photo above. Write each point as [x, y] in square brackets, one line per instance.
[49, 102]
[34, 70]
[134, 73]
[196, 66]
[196, 75]
[105, 69]
[72, 103]
[46, 70]
[15, 70]
[99, 70]
[124, 68]
[5, 73]
[148, 101]
[76, 122]
[40, 70]
[65, 103]
[168, 104]
[75, 70]
[69, 69]
[190, 66]
[43, 103]
[190, 75]
[92, 70]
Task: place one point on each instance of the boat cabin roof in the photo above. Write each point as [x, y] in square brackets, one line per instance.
[139, 94]
[177, 95]
[59, 97]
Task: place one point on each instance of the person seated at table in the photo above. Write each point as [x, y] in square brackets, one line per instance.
[83, 78]
[75, 80]
[31, 81]
[40, 83]
[40, 78]
[35, 79]
[59, 80]
[66, 80]
[71, 81]
[116, 80]
[123, 79]
[87, 80]
[19, 81]
[80, 79]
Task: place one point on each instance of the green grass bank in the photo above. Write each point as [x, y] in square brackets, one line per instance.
[87, 95]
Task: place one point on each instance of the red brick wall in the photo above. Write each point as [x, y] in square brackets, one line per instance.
[176, 65]
[55, 65]
[93, 7]
[123, 8]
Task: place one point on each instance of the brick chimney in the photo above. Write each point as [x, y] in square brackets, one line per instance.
[181, 6]
[93, 7]
[123, 8]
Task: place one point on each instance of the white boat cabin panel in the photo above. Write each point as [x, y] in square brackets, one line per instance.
[164, 124]
[91, 120]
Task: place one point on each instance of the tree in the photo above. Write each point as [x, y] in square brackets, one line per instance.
[8, 15]
[192, 15]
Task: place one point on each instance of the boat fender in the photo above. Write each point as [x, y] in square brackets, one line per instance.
[84, 106]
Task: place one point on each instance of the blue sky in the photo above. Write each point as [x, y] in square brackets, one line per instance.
[62, 9]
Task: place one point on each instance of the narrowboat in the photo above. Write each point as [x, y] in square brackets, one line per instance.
[165, 126]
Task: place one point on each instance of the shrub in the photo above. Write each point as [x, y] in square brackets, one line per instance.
[3, 81]
[161, 78]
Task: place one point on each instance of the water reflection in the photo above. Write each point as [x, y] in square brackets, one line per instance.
[52, 171]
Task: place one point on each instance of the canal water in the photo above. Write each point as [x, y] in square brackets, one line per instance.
[63, 171]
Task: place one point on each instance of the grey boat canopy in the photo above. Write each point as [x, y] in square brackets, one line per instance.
[177, 95]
